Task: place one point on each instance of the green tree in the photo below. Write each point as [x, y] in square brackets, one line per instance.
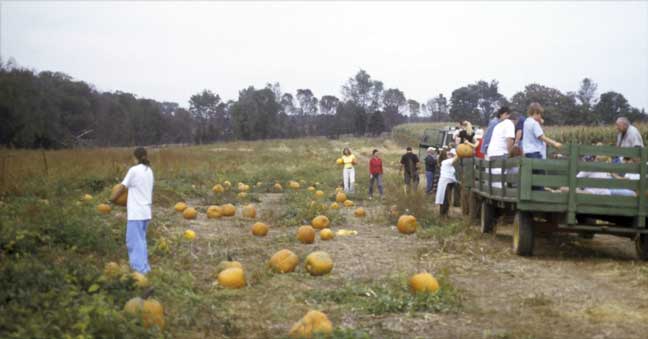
[254, 115]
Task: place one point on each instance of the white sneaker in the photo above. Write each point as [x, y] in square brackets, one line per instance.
[370, 198]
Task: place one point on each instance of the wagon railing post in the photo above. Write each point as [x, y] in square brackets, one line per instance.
[641, 222]
[571, 180]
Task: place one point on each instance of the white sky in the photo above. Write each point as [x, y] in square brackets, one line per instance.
[169, 51]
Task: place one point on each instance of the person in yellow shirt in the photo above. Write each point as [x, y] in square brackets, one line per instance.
[348, 173]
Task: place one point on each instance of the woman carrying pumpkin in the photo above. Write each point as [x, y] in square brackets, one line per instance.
[139, 182]
[446, 178]
[348, 173]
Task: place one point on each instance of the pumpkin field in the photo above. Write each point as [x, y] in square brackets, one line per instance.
[255, 240]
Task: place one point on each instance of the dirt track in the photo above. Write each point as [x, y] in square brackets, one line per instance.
[571, 288]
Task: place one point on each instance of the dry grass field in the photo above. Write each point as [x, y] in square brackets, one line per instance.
[571, 288]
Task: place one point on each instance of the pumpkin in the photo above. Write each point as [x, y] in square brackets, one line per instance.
[277, 187]
[189, 213]
[214, 212]
[348, 203]
[225, 264]
[339, 161]
[122, 198]
[242, 195]
[284, 261]
[320, 221]
[311, 189]
[326, 234]
[423, 282]
[464, 151]
[150, 311]
[163, 245]
[340, 197]
[232, 278]
[306, 234]
[360, 212]
[227, 184]
[260, 229]
[104, 208]
[335, 205]
[112, 270]
[314, 323]
[406, 224]
[189, 235]
[293, 184]
[86, 198]
[339, 189]
[249, 211]
[218, 188]
[228, 210]
[319, 194]
[180, 207]
[140, 279]
[319, 263]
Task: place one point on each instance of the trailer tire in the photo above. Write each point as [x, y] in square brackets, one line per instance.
[641, 245]
[523, 236]
[487, 219]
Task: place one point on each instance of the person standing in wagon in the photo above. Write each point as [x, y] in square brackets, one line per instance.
[139, 182]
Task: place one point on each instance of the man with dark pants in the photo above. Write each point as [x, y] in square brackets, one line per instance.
[409, 163]
[430, 168]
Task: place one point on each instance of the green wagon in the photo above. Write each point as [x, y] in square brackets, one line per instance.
[547, 196]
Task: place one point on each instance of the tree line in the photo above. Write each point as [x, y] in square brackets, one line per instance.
[52, 110]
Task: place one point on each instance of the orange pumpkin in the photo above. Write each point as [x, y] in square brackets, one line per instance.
[214, 212]
[340, 197]
[306, 234]
[228, 210]
[249, 211]
[319, 263]
[423, 282]
[464, 151]
[103, 208]
[189, 213]
[314, 323]
[360, 212]
[232, 278]
[122, 199]
[150, 311]
[320, 221]
[326, 234]
[260, 229]
[406, 224]
[283, 261]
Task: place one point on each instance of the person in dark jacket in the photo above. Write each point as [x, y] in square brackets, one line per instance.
[375, 174]
[409, 163]
[430, 168]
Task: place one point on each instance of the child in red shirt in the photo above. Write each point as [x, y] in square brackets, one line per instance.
[375, 174]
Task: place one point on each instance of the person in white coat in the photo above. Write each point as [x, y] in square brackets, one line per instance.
[446, 176]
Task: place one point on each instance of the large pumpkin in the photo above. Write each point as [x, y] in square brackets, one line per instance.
[103, 208]
[277, 187]
[260, 229]
[225, 264]
[348, 203]
[406, 224]
[214, 212]
[189, 213]
[232, 278]
[306, 234]
[314, 323]
[150, 311]
[319, 194]
[423, 282]
[319, 263]
[340, 197]
[218, 188]
[180, 207]
[320, 222]
[360, 212]
[284, 261]
[464, 151]
[227, 184]
[339, 161]
[228, 210]
[249, 211]
[326, 234]
[335, 205]
[86, 198]
[293, 184]
[122, 199]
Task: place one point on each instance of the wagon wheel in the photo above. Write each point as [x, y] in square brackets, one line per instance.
[474, 207]
[523, 234]
[641, 245]
[487, 220]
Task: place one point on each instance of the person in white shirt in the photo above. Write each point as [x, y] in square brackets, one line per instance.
[501, 142]
[446, 176]
[139, 182]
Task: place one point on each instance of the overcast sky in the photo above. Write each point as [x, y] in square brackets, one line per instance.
[169, 51]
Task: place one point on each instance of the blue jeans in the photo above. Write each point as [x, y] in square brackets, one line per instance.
[376, 178]
[429, 181]
[136, 245]
[535, 155]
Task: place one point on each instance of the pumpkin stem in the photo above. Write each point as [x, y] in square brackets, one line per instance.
[148, 293]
